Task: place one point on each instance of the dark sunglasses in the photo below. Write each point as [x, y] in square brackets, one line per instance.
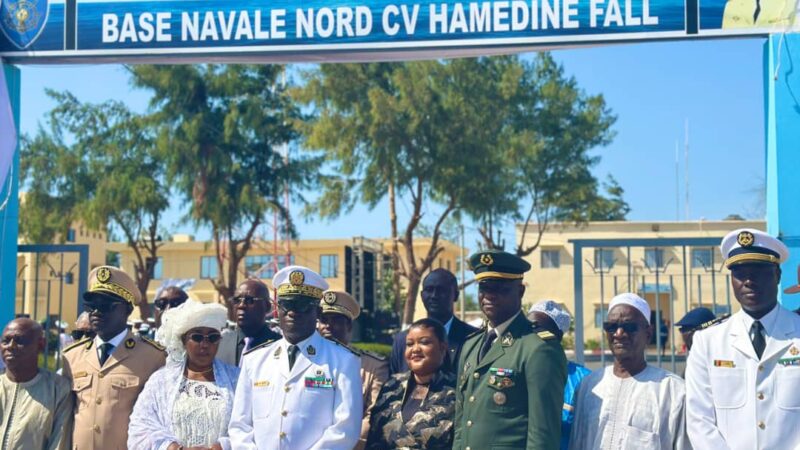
[79, 334]
[627, 327]
[246, 299]
[163, 303]
[21, 341]
[495, 287]
[102, 308]
[298, 306]
[212, 338]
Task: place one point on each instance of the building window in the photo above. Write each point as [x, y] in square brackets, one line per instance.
[208, 267]
[603, 258]
[551, 259]
[71, 235]
[654, 257]
[158, 269]
[329, 265]
[599, 317]
[719, 310]
[701, 258]
[256, 265]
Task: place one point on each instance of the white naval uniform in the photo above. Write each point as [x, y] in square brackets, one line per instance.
[316, 405]
[733, 400]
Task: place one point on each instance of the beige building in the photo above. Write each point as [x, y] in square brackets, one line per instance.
[350, 264]
[687, 277]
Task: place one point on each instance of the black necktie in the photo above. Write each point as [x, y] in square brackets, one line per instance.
[487, 343]
[105, 352]
[292, 350]
[757, 337]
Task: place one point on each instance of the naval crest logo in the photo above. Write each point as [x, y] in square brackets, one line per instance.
[745, 239]
[296, 278]
[22, 21]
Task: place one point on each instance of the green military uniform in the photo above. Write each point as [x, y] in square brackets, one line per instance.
[512, 398]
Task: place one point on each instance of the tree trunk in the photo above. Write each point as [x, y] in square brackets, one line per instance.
[395, 250]
[414, 281]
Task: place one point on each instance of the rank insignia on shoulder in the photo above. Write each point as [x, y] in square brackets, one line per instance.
[713, 322]
[153, 343]
[507, 340]
[83, 342]
[311, 350]
[262, 345]
[130, 343]
[546, 335]
[724, 363]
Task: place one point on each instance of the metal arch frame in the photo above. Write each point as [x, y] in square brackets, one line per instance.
[83, 259]
[577, 268]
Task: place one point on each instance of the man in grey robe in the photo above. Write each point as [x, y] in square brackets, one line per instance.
[36, 405]
[630, 404]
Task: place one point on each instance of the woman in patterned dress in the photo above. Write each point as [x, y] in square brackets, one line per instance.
[186, 404]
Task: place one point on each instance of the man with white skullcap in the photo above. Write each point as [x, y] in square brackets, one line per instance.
[743, 375]
[629, 404]
[549, 316]
[302, 391]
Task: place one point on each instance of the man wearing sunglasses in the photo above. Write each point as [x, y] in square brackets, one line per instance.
[629, 401]
[302, 391]
[109, 370]
[510, 387]
[743, 375]
[36, 405]
[168, 298]
[251, 304]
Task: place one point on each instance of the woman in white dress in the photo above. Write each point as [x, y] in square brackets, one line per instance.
[186, 404]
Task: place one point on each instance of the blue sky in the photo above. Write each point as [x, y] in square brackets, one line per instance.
[652, 88]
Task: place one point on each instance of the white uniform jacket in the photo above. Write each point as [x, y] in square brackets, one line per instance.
[316, 405]
[733, 400]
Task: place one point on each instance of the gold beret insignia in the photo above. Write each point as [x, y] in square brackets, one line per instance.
[103, 275]
[486, 259]
[745, 239]
[130, 343]
[329, 298]
[297, 278]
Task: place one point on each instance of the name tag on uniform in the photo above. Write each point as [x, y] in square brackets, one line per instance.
[261, 383]
[319, 383]
[724, 363]
[793, 361]
[79, 374]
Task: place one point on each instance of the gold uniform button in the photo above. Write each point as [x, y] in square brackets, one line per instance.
[761, 424]
[476, 375]
[469, 423]
[761, 396]
[98, 400]
[471, 398]
[760, 368]
[97, 428]
[100, 375]
[283, 435]
[286, 388]
[284, 413]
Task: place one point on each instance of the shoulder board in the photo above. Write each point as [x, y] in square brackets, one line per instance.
[476, 332]
[546, 335]
[261, 345]
[713, 322]
[80, 343]
[347, 347]
[153, 343]
[377, 356]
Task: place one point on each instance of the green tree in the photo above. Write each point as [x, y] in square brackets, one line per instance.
[416, 133]
[95, 163]
[220, 132]
[551, 127]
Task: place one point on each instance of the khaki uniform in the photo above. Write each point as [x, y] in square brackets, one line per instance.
[374, 373]
[106, 395]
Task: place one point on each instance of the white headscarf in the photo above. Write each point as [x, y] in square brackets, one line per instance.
[177, 321]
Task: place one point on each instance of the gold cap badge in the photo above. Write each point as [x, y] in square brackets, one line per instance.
[103, 275]
[297, 278]
[486, 259]
[329, 298]
[745, 239]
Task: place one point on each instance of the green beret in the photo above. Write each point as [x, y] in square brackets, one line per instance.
[498, 264]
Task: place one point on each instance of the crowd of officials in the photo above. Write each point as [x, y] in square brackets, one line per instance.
[447, 385]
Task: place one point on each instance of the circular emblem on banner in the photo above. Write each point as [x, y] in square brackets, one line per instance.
[103, 274]
[22, 16]
[486, 259]
[745, 239]
[329, 298]
[499, 398]
[297, 278]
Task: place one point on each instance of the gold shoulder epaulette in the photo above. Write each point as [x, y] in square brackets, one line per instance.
[713, 322]
[545, 335]
[261, 345]
[153, 343]
[77, 344]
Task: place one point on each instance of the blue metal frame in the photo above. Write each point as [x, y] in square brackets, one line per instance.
[83, 261]
[9, 216]
[577, 268]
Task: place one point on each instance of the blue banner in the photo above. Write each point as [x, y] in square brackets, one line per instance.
[160, 29]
